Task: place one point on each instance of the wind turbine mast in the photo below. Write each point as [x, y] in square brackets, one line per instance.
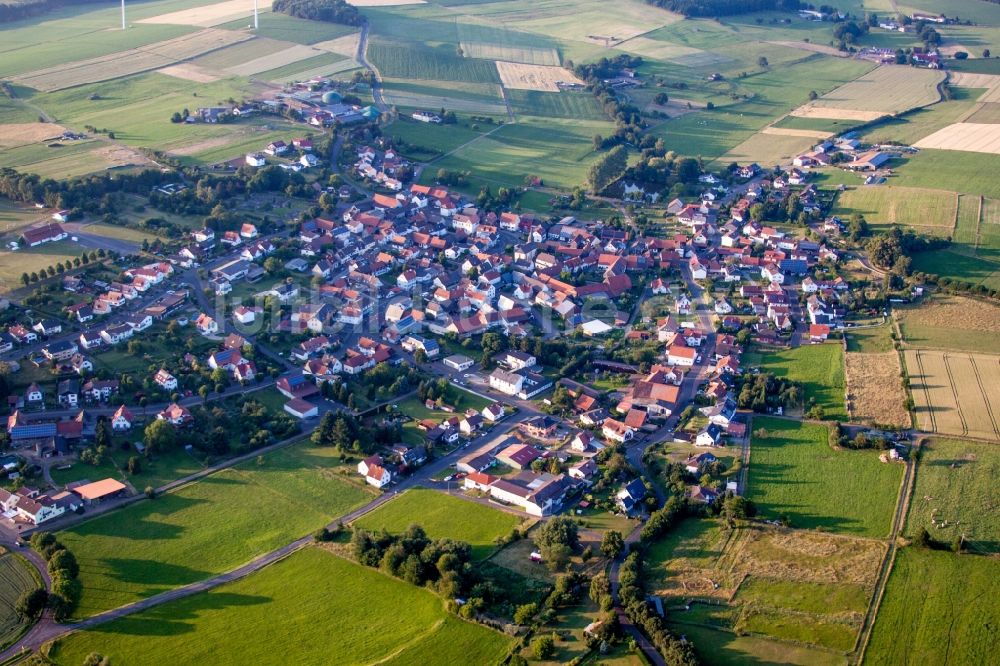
[123, 14]
[255, 22]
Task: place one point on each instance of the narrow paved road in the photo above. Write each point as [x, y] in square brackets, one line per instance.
[362, 58]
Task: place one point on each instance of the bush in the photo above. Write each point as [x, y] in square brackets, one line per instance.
[543, 647]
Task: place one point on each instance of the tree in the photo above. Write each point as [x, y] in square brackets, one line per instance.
[986, 53]
[543, 647]
[150, 492]
[556, 540]
[420, 357]
[762, 62]
[608, 169]
[159, 436]
[134, 466]
[323, 434]
[612, 544]
[31, 603]
[96, 659]
[65, 562]
[524, 613]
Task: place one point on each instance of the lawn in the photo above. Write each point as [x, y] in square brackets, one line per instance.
[16, 577]
[956, 482]
[311, 608]
[929, 211]
[443, 517]
[795, 474]
[939, 608]
[209, 526]
[459, 399]
[820, 369]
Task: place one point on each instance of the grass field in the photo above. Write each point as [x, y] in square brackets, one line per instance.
[955, 393]
[820, 369]
[952, 170]
[728, 649]
[946, 607]
[557, 151]
[555, 105]
[443, 516]
[795, 473]
[13, 264]
[951, 322]
[423, 139]
[767, 149]
[888, 89]
[773, 583]
[275, 25]
[929, 211]
[209, 526]
[16, 577]
[954, 493]
[409, 61]
[263, 615]
[870, 340]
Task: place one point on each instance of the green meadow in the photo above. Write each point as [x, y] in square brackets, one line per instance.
[311, 608]
[209, 526]
[795, 474]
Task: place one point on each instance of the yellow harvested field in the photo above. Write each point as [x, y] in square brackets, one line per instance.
[874, 391]
[954, 313]
[886, 89]
[971, 80]
[133, 61]
[956, 393]
[815, 48]
[345, 46]
[384, 3]
[788, 131]
[210, 15]
[991, 95]
[971, 137]
[520, 76]
[21, 134]
[190, 72]
[811, 111]
[287, 56]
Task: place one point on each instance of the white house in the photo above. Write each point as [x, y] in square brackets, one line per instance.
[165, 380]
[509, 383]
[122, 419]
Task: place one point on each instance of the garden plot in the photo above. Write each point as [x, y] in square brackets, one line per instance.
[209, 15]
[292, 54]
[956, 393]
[133, 61]
[971, 137]
[521, 76]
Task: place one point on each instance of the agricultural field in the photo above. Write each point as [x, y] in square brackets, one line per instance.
[887, 90]
[274, 25]
[956, 393]
[443, 516]
[794, 473]
[209, 526]
[945, 606]
[554, 105]
[951, 322]
[253, 619]
[952, 170]
[820, 369]
[955, 494]
[27, 260]
[520, 76]
[782, 585]
[16, 577]
[770, 148]
[126, 63]
[929, 211]
[915, 125]
[474, 98]
[422, 140]
[874, 389]
[968, 137]
[874, 340]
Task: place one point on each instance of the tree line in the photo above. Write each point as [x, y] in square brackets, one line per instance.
[22, 9]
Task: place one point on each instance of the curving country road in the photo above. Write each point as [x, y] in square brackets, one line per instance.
[362, 57]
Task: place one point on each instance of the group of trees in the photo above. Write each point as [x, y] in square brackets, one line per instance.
[607, 169]
[713, 8]
[63, 570]
[627, 117]
[443, 564]
[764, 391]
[331, 11]
[15, 10]
[557, 540]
